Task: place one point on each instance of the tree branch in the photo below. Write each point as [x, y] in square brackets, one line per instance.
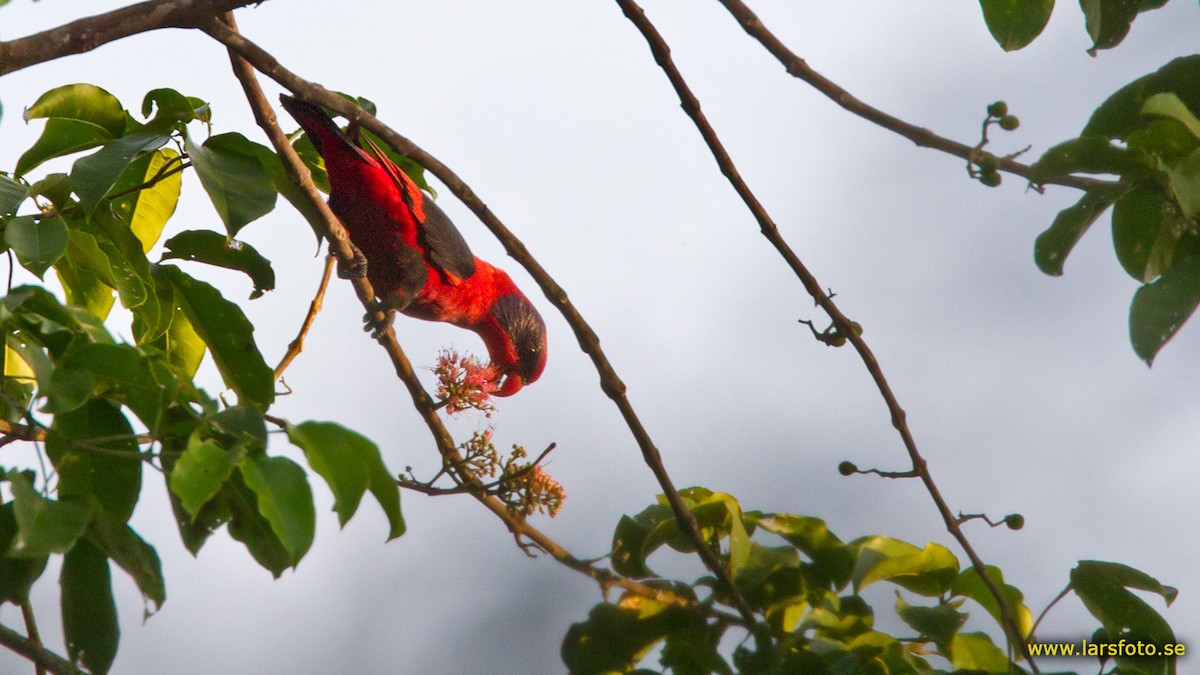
[691, 106]
[588, 341]
[314, 308]
[88, 33]
[799, 68]
[424, 404]
[31, 630]
[40, 657]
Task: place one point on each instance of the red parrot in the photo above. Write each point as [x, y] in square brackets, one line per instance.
[416, 259]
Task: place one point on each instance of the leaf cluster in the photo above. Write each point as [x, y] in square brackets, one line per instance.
[805, 585]
[118, 407]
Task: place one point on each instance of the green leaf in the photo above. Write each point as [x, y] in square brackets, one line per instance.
[975, 652]
[228, 334]
[84, 289]
[174, 110]
[200, 472]
[95, 175]
[1015, 23]
[316, 166]
[81, 116]
[771, 579]
[44, 526]
[193, 530]
[1103, 588]
[1121, 114]
[125, 261]
[284, 499]
[147, 210]
[1184, 178]
[56, 187]
[242, 426]
[116, 540]
[69, 389]
[350, 464]
[213, 248]
[739, 539]
[614, 638]
[939, 623]
[929, 571]
[153, 318]
[96, 455]
[832, 561]
[1146, 232]
[970, 584]
[240, 188]
[1089, 154]
[1108, 21]
[88, 610]
[1160, 309]
[12, 193]
[1052, 247]
[292, 192]
[38, 243]
[629, 548]
[16, 574]
[127, 375]
[86, 274]
[184, 347]
[1169, 105]
[247, 525]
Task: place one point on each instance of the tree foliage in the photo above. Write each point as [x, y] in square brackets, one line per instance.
[780, 593]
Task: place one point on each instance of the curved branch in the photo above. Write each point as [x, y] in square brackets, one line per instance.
[691, 106]
[588, 341]
[88, 33]
[799, 68]
[425, 405]
[40, 656]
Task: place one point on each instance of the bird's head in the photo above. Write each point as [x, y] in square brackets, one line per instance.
[516, 340]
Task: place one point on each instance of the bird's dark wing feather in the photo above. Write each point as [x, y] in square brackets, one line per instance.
[447, 248]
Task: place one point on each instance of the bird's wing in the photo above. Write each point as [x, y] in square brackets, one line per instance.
[447, 250]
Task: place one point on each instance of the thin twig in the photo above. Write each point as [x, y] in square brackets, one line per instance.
[428, 487]
[691, 106]
[799, 68]
[21, 431]
[164, 172]
[1055, 601]
[32, 631]
[610, 383]
[314, 307]
[37, 654]
[339, 243]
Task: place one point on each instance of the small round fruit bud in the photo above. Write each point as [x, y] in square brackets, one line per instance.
[1009, 122]
[989, 164]
[998, 109]
[1015, 521]
[989, 178]
[847, 468]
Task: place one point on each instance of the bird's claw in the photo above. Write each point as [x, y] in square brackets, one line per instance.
[355, 269]
[374, 324]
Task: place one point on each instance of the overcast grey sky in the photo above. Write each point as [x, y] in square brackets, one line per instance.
[1022, 390]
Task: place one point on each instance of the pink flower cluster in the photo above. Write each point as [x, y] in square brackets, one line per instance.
[465, 383]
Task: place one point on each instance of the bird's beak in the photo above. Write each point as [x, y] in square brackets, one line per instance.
[511, 385]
